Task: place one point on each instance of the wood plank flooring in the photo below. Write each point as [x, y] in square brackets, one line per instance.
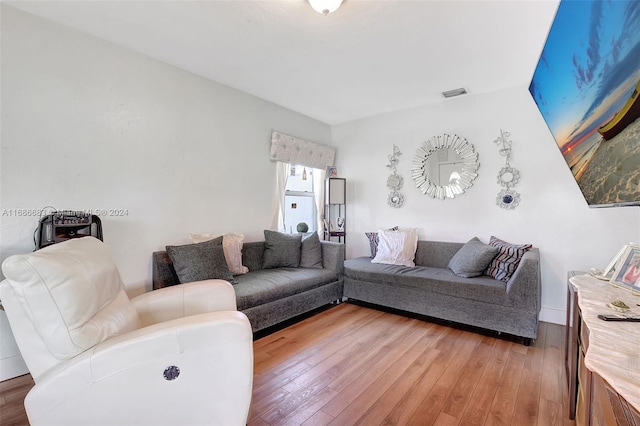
[354, 365]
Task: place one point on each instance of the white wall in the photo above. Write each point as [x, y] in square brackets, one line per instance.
[89, 125]
[552, 215]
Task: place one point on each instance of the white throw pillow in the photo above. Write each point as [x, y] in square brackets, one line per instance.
[397, 247]
[232, 247]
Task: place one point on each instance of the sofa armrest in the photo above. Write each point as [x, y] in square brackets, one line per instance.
[333, 256]
[524, 287]
[183, 300]
[120, 381]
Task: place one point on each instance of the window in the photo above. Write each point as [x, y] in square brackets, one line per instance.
[299, 199]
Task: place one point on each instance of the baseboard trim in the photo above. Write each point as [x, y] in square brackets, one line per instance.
[11, 367]
[555, 316]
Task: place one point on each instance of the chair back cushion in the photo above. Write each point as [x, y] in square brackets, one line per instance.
[73, 294]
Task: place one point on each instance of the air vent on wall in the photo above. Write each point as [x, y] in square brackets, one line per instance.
[454, 92]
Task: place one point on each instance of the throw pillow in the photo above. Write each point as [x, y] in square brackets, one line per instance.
[507, 260]
[232, 245]
[397, 247]
[373, 241]
[472, 258]
[281, 250]
[311, 252]
[201, 261]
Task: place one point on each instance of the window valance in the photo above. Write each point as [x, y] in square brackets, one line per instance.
[293, 150]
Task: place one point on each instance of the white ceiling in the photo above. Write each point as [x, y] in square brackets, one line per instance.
[367, 58]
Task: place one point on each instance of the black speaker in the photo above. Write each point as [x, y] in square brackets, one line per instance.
[64, 225]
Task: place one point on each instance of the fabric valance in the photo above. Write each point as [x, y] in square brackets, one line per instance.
[293, 150]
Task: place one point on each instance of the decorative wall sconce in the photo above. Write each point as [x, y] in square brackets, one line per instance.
[395, 181]
[508, 176]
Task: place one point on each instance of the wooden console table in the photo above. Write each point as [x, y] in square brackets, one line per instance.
[602, 358]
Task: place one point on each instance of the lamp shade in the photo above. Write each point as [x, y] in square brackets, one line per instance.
[335, 191]
[325, 6]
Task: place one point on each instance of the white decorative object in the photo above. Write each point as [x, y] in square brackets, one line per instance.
[508, 176]
[340, 223]
[508, 199]
[395, 199]
[395, 181]
[444, 166]
[293, 150]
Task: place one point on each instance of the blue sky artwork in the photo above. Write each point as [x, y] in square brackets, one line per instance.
[588, 68]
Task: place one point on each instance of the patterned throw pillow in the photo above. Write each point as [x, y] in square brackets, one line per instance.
[373, 241]
[505, 263]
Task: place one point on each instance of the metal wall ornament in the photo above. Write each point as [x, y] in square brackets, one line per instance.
[444, 166]
[395, 181]
[507, 176]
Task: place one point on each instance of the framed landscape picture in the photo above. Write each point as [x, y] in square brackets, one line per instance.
[586, 86]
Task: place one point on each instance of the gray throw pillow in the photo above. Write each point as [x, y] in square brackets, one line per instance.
[311, 252]
[201, 261]
[281, 250]
[472, 258]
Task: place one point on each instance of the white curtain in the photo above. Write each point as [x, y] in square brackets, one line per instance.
[289, 150]
[318, 192]
[277, 218]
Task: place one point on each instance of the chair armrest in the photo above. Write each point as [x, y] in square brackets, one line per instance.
[182, 300]
[121, 380]
[333, 256]
[524, 286]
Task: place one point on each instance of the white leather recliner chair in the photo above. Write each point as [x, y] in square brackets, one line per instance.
[181, 355]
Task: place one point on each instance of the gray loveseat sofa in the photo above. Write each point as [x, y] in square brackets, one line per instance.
[431, 289]
[270, 296]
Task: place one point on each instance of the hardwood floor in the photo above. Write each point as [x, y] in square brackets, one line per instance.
[354, 365]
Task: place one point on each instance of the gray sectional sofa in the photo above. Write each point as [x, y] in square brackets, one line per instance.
[270, 296]
[432, 289]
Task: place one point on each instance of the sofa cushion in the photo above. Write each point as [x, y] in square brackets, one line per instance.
[506, 261]
[439, 280]
[281, 250]
[472, 258]
[267, 285]
[311, 252]
[374, 240]
[232, 246]
[200, 261]
[397, 247]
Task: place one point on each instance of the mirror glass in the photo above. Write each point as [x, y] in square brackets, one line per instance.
[508, 177]
[445, 166]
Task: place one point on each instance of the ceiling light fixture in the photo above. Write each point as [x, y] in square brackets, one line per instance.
[325, 6]
[454, 92]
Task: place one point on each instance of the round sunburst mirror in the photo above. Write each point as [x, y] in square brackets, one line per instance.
[444, 166]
